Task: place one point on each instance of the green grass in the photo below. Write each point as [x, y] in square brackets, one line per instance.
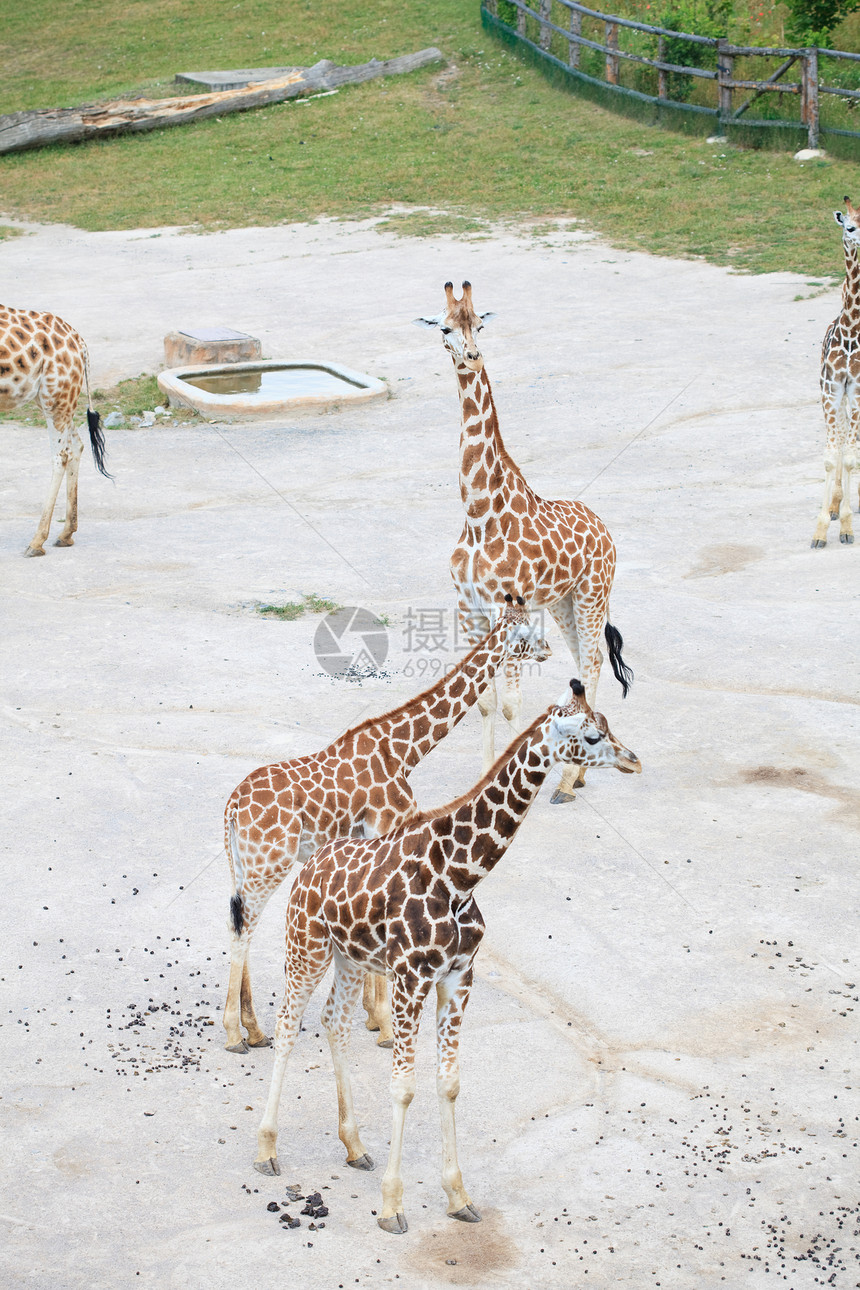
[130, 398]
[487, 138]
[293, 609]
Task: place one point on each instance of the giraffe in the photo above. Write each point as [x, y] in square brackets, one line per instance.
[840, 390]
[42, 358]
[404, 905]
[558, 553]
[281, 813]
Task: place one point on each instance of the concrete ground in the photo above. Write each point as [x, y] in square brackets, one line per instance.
[648, 1096]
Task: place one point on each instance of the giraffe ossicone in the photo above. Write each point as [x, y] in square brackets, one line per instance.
[42, 358]
[403, 905]
[840, 390]
[282, 813]
[558, 554]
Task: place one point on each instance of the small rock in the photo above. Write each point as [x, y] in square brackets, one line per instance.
[717, 138]
[285, 1218]
[809, 154]
[321, 1212]
[113, 419]
[148, 418]
[273, 1207]
[160, 411]
[295, 1222]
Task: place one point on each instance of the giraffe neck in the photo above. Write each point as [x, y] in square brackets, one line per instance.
[476, 831]
[411, 731]
[850, 316]
[488, 474]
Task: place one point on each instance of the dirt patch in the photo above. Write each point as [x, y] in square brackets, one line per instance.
[806, 781]
[726, 558]
[465, 1254]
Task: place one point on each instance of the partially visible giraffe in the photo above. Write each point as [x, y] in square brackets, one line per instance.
[43, 358]
[404, 905]
[840, 390]
[559, 555]
[280, 814]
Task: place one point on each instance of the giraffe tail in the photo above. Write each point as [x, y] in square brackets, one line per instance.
[623, 673]
[94, 423]
[237, 904]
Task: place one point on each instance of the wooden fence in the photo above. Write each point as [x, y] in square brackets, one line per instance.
[537, 18]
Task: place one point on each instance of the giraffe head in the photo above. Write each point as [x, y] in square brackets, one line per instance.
[459, 325]
[849, 222]
[576, 734]
[522, 638]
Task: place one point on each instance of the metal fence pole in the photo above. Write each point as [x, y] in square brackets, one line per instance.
[662, 80]
[725, 67]
[521, 22]
[612, 59]
[576, 29]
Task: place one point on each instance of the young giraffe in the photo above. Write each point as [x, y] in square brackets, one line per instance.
[280, 814]
[43, 358]
[558, 554]
[840, 390]
[404, 905]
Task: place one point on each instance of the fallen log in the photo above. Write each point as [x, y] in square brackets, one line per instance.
[38, 129]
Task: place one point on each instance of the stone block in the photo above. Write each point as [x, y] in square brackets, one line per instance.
[209, 345]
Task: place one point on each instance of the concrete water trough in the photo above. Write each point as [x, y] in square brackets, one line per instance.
[244, 391]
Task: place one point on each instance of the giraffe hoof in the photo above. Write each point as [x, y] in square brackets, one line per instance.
[265, 1042]
[847, 538]
[385, 1042]
[241, 1047]
[817, 542]
[269, 1167]
[834, 515]
[468, 1214]
[372, 1025]
[64, 541]
[558, 798]
[364, 1162]
[396, 1224]
[35, 550]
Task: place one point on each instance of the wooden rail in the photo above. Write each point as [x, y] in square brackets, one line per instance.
[808, 88]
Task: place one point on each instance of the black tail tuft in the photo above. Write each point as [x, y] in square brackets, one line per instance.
[577, 687]
[97, 442]
[623, 673]
[237, 914]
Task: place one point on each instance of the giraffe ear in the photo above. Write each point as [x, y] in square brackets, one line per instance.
[485, 318]
[427, 322]
[837, 215]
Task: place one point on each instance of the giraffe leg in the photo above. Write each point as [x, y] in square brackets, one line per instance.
[408, 993]
[849, 465]
[375, 1000]
[819, 537]
[452, 995]
[58, 470]
[239, 1005]
[70, 526]
[512, 694]
[487, 704]
[573, 776]
[305, 970]
[336, 1016]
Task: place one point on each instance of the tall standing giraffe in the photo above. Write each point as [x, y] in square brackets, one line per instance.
[558, 555]
[840, 390]
[43, 358]
[280, 814]
[404, 905]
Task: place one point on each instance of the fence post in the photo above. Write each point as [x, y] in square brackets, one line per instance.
[662, 84]
[612, 59]
[725, 67]
[576, 29]
[545, 11]
[492, 6]
[521, 22]
[809, 96]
